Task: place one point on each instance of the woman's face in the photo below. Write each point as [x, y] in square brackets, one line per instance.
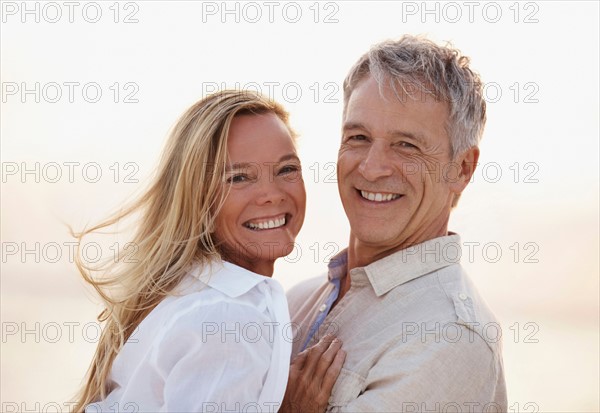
[264, 209]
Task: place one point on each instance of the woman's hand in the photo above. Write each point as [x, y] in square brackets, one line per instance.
[312, 376]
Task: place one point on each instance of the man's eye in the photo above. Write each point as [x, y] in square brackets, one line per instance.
[357, 138]
[407, 145]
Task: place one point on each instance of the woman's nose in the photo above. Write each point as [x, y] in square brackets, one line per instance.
[270, 192]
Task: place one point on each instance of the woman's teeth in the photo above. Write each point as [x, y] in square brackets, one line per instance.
[379, 197]
[270, 224]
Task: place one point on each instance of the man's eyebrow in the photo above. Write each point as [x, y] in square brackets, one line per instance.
[245, 165]
[404, 134]
[395, 133]
[353, 125]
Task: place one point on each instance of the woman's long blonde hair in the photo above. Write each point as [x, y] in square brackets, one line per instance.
[177, 214]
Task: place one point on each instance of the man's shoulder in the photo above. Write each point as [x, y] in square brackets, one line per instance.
[469, 305]
[300, 292]
[438, 300]
[466, 305]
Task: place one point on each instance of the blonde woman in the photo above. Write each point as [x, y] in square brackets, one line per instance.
[212, 329]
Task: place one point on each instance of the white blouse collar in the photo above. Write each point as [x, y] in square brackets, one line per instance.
[228, 278]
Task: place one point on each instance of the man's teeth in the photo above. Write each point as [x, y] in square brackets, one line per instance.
[379, 197]
[273, 223]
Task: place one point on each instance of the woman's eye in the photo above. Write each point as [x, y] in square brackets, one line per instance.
[237, 178]
[288, 169]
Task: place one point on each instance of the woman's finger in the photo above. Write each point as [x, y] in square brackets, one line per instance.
[315, 352]
[326, 359]
[332, 374]
[300, 360]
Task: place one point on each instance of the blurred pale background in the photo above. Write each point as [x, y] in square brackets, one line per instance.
[534, 198]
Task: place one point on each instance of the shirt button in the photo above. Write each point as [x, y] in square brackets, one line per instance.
[462, 296]
[322, 308]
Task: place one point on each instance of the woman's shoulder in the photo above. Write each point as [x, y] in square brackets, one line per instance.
[224, 299]
[201, 303]
[200, 313]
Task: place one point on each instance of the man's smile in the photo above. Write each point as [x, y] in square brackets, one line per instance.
[379, 196]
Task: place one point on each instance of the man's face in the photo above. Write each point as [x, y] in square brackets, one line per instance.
[395, 175]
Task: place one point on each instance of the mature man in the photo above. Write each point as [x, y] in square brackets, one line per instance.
[418, 337]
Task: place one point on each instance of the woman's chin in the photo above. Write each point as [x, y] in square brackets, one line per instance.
[261, 250]
[274, 251]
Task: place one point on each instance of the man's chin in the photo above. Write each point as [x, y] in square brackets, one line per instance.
[376, 237]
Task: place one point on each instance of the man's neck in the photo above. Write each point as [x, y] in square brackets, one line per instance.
[361, 255]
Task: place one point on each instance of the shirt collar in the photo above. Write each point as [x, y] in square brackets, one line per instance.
[230, 279]
[338, 265]
[402, 266]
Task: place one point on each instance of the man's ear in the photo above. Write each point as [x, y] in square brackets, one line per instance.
[466, 164]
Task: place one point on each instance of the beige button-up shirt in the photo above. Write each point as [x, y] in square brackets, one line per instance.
[417, 334]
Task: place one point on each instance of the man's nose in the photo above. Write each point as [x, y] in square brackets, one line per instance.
[377, 163]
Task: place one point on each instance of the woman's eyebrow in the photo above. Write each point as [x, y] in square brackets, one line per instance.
[244, 165]
[288, 157]
[239, 165]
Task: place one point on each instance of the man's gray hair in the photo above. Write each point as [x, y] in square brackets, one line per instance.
[418, 65]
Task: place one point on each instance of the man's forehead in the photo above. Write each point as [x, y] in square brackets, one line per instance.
[382, 111]
[397, 89]
[385, 99]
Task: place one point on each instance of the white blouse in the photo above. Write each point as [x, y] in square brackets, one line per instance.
[223, 343]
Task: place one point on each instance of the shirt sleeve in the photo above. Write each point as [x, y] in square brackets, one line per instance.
[214, 359]
[431, 375]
